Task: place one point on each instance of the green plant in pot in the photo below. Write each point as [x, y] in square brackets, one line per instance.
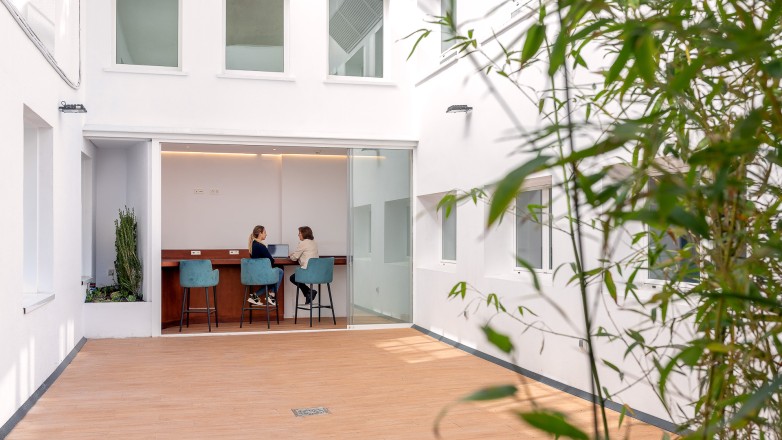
[127, 267]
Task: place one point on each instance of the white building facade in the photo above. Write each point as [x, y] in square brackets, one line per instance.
[188, 76]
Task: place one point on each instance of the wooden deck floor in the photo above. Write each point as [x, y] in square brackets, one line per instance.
[376, 384]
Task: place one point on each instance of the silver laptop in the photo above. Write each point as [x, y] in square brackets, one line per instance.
[279, 250]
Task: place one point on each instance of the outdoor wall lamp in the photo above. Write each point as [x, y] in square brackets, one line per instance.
[72, 108]
[459, 108]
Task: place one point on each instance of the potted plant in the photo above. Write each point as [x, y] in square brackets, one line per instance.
[122, 312]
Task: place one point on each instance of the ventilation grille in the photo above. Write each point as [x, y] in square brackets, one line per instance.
[304, 412]
[353, 21]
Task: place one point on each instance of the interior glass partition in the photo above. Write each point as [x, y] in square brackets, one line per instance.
[380, 248]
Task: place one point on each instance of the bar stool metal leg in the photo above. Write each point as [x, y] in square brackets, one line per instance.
[296, 309]
[188, 308]
[311, 301]
[182, 315]
[320, 289]
[266, 295]
[214, 291]
[331, 304]
[241, 317]
[208, 320]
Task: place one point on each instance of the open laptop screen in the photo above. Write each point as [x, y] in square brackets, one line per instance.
[279, 250]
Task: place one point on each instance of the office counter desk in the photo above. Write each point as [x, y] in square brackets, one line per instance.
[230, 291]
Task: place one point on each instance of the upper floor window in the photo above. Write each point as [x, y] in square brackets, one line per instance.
[447, 9]
[147, 32]
[356, 38]
[533, 227]
[255, 35]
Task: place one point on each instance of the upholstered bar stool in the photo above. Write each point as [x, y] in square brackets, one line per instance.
[258, 272]
[319, 271]
[198, 273]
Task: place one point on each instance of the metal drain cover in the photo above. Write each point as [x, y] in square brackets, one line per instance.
[304, 412]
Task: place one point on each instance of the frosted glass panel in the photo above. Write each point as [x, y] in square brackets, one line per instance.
[529, 231]
[356, 38]
[255, 35]
[148, 32]
[381, 280]
[449, 235]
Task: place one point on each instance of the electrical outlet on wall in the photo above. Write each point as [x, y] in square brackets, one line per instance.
[233, 252]
[195, 252]
[198, 191]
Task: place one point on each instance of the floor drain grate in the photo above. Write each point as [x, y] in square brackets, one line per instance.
[304, 412]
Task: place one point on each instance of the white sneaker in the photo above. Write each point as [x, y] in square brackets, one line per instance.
[254, 300]
[270, 299]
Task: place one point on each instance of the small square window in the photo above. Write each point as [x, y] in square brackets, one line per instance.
[255, 35]
[147, 32]
[356, 38]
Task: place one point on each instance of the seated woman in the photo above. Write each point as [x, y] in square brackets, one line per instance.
[306, 249]
[259, 250]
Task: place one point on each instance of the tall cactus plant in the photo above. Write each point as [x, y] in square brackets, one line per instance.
[127, 265]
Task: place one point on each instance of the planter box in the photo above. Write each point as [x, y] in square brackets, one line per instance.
[118, 320]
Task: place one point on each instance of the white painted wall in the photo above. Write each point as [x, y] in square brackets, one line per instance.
[202, 99]
[33, 345]
[465, 150]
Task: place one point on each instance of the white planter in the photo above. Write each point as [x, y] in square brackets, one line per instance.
[118, 320]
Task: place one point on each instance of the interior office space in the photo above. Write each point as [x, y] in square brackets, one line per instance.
[341, 133]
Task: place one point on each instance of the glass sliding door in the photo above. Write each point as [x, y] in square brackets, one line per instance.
[380, 237]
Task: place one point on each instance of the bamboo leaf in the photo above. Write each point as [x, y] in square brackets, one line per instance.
[535, 36]
[554, 424]
[498, 339]
[491, 393]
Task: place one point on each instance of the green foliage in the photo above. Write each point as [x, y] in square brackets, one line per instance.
[688, 111]
[127, 265]
[109, 294]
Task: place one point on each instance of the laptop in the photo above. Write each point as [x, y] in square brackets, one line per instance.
[279, 250]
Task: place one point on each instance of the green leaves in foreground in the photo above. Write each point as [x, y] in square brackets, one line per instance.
[498, 339]
[553, 423]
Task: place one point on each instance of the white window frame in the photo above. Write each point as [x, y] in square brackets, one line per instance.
[455, 238]
[674, 166]
[285, 75]
[542, 184]
[138, 68]
[384, 80]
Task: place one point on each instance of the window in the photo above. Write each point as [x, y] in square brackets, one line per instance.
[147, 32]
[396, 225]
[356, 38]
[255, 35]
[533, 225]
[449, 234]
[663, 246]
[37, 205]
[447, 9]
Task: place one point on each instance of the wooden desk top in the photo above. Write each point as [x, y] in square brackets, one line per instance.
[222, 257]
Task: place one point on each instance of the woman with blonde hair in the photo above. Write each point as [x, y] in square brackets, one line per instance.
[306, 249]
[258, 249]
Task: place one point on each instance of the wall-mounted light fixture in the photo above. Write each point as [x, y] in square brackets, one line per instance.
[459, 108]
[72, 108]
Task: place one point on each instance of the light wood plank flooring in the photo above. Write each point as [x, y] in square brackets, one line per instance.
[377, 384]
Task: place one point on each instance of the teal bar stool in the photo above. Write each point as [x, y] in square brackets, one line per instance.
[258, 272]
[198, 273]
[319, 271]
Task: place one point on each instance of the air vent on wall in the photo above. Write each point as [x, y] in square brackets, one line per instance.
[353, 21]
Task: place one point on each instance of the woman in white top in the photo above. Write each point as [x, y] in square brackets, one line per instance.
[306, 249]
